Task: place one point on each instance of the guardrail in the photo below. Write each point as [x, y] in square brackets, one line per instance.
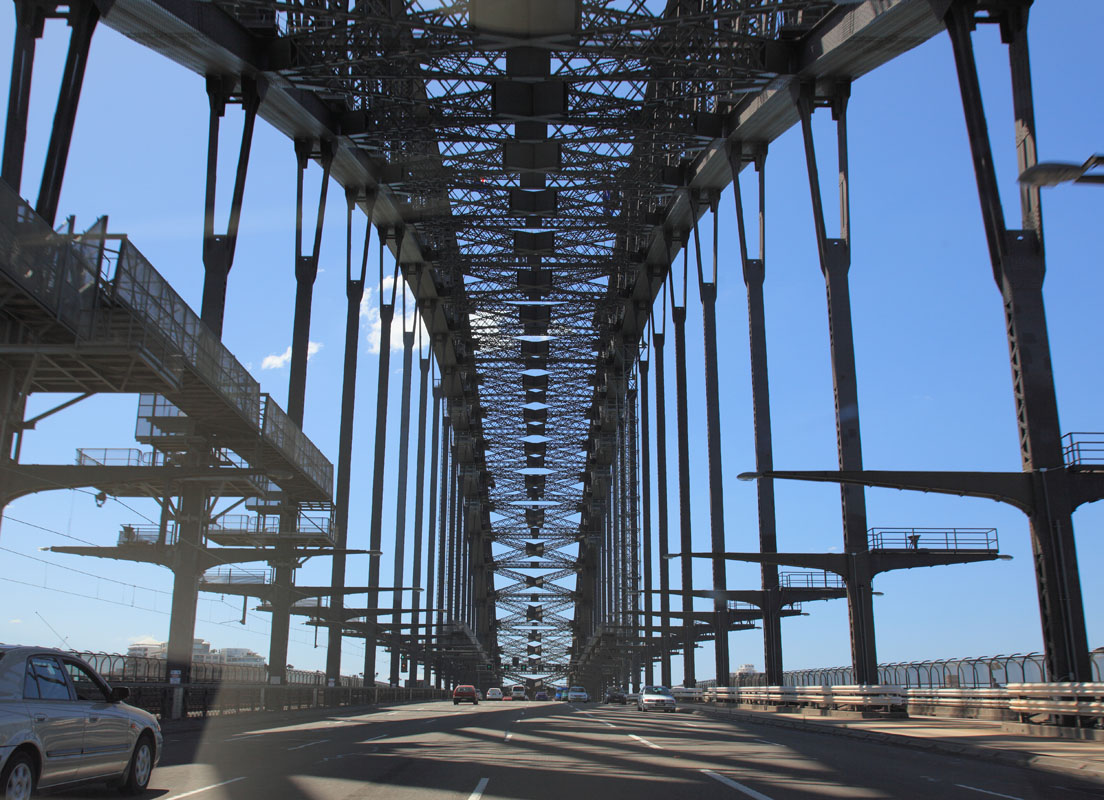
[984, 539]
[946, 673]
[237, 576]
[1036, 703]
[290, 440]
[201, 701]
[806, 579]
[847, 698]
[117, 457]
[1080, 449]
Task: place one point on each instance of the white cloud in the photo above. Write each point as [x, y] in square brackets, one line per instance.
[370, 316]
[279, 361]
[143, 639]
[15, 622]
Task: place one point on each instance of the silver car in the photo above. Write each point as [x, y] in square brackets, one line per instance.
[656, 697]
[62, 724]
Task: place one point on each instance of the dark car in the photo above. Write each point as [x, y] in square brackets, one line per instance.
[616, 696]
[541, 695]
[465, 693]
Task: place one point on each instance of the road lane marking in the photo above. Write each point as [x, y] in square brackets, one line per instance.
[508, 735]
[205, 788]
[754, 795]
[377, 738]
[607, 723]
[308, 744]
[479, 787]
[764, 741]
[986, 791]
[645, 741]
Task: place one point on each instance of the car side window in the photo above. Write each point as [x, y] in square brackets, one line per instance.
[52, 684]
[87, 685]
[30, 685]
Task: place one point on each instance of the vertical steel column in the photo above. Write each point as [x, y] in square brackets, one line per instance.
[634, 547]
[83, 16]
[453, 588]
[375, 535]
[218, 250]
[306, 271]
[431, 537]
[419, 498]
[678, 316]
[442, 536]
[707, 291]
[191, 524]
[30, 18]
[400, 500]
[661, 500]
[754, 275]
[835, 262]
[646, 519]
[1019, 267]
[354, 294]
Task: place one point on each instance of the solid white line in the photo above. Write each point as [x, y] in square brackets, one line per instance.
[764, 741]
[645, 741]
[754, 795]
[308, 744]
[986, 791]
[376, 738]
[205, 788]
[479, 787]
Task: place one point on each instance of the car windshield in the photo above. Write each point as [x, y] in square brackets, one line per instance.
[657, 690]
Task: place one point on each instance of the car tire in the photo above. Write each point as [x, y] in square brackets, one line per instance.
[456, 702]
[17, 781]
[475, 702]
[140, 767]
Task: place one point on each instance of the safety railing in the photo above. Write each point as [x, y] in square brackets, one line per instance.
[138, 285]
[237, 576]
[47, 265]
[146, 534]
[290, 440]
[686, 695]
[1081, 449]
[116, 457]
[973, 539]
[817, 579]
[947, 673]
[843, 697]
[1081, 701]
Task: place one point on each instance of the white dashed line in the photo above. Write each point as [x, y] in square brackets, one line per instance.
[508, 735]
[986, 791]
[754, 795]
[773, 744]
[479, 787]
[377, 738]
[308, 744]
[645, 741]
[205, 788]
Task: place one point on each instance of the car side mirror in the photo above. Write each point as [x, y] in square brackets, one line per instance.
[118, 694]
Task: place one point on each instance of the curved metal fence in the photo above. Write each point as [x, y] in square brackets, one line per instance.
[945, 673]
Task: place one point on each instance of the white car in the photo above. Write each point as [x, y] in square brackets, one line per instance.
[577, 694]
[61, 725]
[494, 693]
[656, 697]
[518, 693]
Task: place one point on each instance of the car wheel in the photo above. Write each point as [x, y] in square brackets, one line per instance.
[475, 702]
[456, 702]
[17, 781]
[140, 767]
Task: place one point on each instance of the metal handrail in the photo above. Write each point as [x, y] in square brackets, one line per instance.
[955, 539]
[1080, 448]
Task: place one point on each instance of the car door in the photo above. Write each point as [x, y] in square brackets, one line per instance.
[107, 740]
[57, 721]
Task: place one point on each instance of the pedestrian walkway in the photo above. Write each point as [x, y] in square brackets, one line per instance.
[966, 737]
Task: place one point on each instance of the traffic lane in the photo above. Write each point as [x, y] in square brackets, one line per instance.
[801, 760]
[284, 759]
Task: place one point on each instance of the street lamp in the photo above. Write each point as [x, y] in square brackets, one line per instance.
[1052, 173]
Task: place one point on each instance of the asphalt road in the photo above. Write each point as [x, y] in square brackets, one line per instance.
[560, 751]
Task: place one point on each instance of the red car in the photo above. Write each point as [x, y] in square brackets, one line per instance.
[464, 693]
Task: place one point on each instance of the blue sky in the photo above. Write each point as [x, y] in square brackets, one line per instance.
[934, 382]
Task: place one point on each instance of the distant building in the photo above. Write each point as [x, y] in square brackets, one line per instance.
[202, 653]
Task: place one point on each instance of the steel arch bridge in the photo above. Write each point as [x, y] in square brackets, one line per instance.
[537, 168]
